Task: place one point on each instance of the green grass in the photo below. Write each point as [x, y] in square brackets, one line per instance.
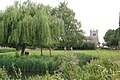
[46, 52]
[112, 54]
[103, 53]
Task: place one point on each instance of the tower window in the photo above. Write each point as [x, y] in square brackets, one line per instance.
[94, 34]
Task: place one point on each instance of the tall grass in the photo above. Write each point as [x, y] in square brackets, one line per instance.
[66, 67]
[29, 63]
[98, 69]
[4, 50]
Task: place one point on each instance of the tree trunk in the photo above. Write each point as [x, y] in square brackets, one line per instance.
[23, 50]
[41, 52]
[50, 51]
[68, 47]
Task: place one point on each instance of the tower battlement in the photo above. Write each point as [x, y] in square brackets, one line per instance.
[93, 37]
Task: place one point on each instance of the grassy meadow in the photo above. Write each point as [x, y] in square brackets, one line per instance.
[113, 54]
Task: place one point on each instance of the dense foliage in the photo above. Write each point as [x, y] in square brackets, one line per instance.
[99, 69]
[29, 64]
[112, 37]
[73, 33]
[3, 50]
[84, 46]
[38, 63]
[70, 68]
[88, 46]
[30, 24]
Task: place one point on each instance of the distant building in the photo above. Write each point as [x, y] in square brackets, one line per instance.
[93, 37]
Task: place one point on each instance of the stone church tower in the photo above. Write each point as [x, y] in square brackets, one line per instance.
[94, 36]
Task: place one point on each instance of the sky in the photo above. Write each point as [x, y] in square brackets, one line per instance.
[98, 15]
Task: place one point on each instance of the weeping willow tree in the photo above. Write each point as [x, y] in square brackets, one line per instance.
[29, 24]
[57, 31]
[1, 29]
[42, 29]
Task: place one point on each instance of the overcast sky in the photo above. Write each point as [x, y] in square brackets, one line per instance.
[93, 14]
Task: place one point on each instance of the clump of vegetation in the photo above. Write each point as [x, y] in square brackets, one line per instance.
[84, 59]
[68, 67]
[94, 70]
[29, 63]
[3, 74]
[88, 46]
[112, 38]
[3, 50]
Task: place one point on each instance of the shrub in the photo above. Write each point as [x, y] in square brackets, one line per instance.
[100, 69]
[84, 59]
[88, 46]
[69, 67]
[29, 63]
[3, 50]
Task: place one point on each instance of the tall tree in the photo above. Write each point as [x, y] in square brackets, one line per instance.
[29, 24]
[1, 28]
[115, 36]
[73, 33]
[111, 37]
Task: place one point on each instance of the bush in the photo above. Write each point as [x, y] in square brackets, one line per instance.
[84, 59]
[100, 69]
[68, 67]
[3, 50]
[88, 46]
[29, 63]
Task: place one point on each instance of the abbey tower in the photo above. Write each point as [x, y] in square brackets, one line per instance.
[94, 36]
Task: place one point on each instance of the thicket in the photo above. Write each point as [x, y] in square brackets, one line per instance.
[3, 50]
[88, 46]
[37, 63]
[70, 69]
[97, 69]
[85, 46]
[29, 63]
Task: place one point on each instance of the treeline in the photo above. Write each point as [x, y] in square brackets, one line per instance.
[30, 24]
[84, 46]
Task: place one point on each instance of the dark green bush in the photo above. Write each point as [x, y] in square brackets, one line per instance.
[52, 65]
[3, 50]
[84, 59]
[88, 46]
[70, 68]
[29, 63]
